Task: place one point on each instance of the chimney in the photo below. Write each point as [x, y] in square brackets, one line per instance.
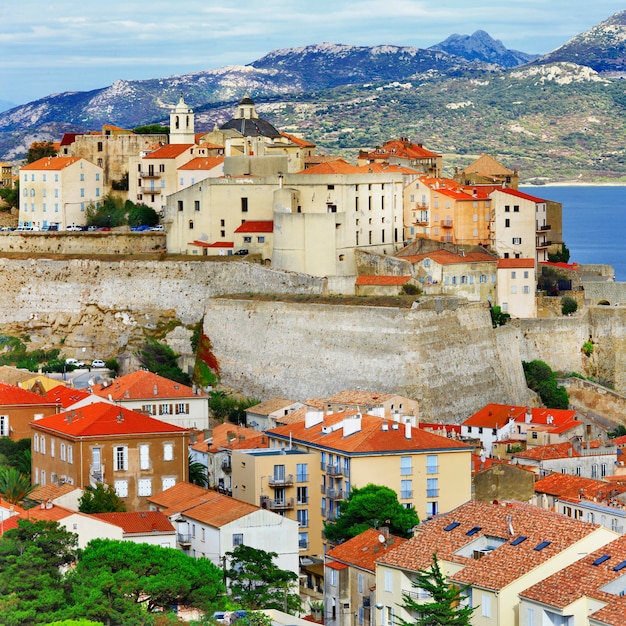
[385, 425]
[407, 429]
[313, 417]
[529, 415]
[352, 425]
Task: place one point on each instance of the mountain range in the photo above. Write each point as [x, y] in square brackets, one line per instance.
[559, 116]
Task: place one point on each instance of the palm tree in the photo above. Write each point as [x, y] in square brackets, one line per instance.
[198, 473]
[14, 486]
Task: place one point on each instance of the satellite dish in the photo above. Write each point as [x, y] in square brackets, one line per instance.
[381, 538]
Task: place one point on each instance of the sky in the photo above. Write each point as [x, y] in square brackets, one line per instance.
[52, 47]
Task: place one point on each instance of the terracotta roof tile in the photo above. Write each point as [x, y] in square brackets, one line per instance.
[256, 226]
[496, 415]
[520, 194]
[365, 549]
[203, 163]
[270, 406]
[383, 280]
[577, 487]
[445, 257]
[138, 522]
[143, 385]
[66, 396]
[180, 497]
[169, 151]
[303, 143]
[549, 452]
[10, 395]
[400, 148]
[514, 263]
[219, 509]
[51, 163]
[494, 522]
[101, 419]
[41, 493]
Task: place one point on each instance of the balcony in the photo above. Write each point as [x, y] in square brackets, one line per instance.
[335, 494]
[446, 223]
[543, 244]
[541, 229]
[227, 466]
[331, 516]
[150, 190]
[184, 539]
[96, 475]
[276, 505]
[280, 481]
[432, 493]
[421, 221]
[334, 470]
[150, 174]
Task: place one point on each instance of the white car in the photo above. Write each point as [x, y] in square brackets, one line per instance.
[97, 363]
[73, 227]
[74, 362]
[158, 228]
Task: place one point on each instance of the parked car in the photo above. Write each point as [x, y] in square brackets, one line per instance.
[73, 228]
[74, 362]
[158, 228]
[140, 229]
[97, 363]
[242, 252]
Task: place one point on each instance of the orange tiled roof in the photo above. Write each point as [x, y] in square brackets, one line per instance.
[583, 578]
[10, 395]
[101, 419]
[354, 397]
[203, 163]
[375, 436]
[521, 194]
[227, 435]
[365, 549]
[256, 226]
[143, 385]
[169, 151]
[303, 143]
[497, 415]
[577, 487]
[41, 493]
[269, 406]
[51, 163]
[338, 166]
[515, 263]
[505, 521]
[138, 522]
[445, 257]
[219, 509]
[382, 280]
[400, 148]
[179, 498]
[66, 396]
[549, 452]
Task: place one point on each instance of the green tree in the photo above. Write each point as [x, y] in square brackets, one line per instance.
[39, 150]
[618, 431]
[257, 583]
[120, 582]
[562, 256]
[541, 378]
[568, 305]
[152, 129]
[16, 454]
[370, 507]
[14, 486]
[11, 195]
[197, 473]
[32, 587]
[444, 605]
[161, 359]
[225, 407]
[100, 499]
[141, 214]
[498, 318]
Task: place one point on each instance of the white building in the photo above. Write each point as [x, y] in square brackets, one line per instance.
[515, 287]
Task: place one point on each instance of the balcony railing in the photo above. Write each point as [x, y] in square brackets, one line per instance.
[335, 494]
[184, 539]
[543, 244]
[541, 229]
[280, 481]
[226, 465]
[446, 223]
[331, 515]
[150, 190]
[334, 470]
[302, 478]
[150, 174]
[277, 505]
[407, 494]
[432, 493]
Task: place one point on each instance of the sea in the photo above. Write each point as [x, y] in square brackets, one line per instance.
[594, 222]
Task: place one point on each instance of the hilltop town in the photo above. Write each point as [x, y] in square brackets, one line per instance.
[328, 289]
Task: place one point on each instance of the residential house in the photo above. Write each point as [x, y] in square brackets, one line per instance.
[470, 275]
[499, 480]
[390, 406]
[335, 451]
[104, 443]
[64, 495]
[404, 152]
[211, 524]
[593, 459]
[151, 527]
[263, 415]
[516, 287]
[6, 175]
[159, 397]
[378, 285]
[57, 191]
[215, 452]
[485, 170]
[198, 169]
[590, 591]
[495, 550]
[350, 577]
[19, 407]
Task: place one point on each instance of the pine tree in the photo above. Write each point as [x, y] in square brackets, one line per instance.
[443, 607]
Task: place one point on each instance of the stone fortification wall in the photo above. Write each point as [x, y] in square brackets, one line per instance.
[605, 292]
[449, 360]
[595, 400]
[381, 265]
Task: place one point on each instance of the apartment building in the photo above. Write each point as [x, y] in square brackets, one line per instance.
[57, 191]
[404, 152]
[516, 287]
[485, 170]
[105, 443]
[19, 408]
[496, 550]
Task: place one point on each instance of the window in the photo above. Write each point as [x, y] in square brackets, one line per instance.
[144, 487]
[279, 473]
[70, 453]
[388, 580]
[261, 239]
[482, 278]
[526, 289]
[62, 452]
[237, 539]
[42, 445]
[516, 208]
[121, 488]
[244, 205]
[303, 541]
[360, 583]
[594, 470]
[526, 274]
[603, 469]
[507, 208]
[120, 458]
[167, 482]
[190, 224]
[4, 425]
[182, 408]
[432, 509]
[99, 146]
[302, 472]
[161, 167]
[432, 464]
[144, 456]
[168, 451]
[517, 240]
[530, 617]
[180, 205]
[43, 477]
[36, 444]
[303, 517]
[333, 577]
[486, 605]
[432, 487]
[406, 468]
[426, 262]
[406, 489]
[507, 223]
[514, 289]
[302, 495]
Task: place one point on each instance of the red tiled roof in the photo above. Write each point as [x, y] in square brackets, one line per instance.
[400, 148]
[507, 562]
[566, 266]
[445, 257]
[179, 497]
[577, 487]
[218, 510]
[217, 244]
[227, 435]
[66, 396]
[583, 578]
[303, 143]
[41, 493]
[138, 522]
[372, 437]
[497, 415]
[363, 550]
[143, 385]
[382, 280]
[337, 566]
[51, 163]
[256, 226]
[338, 166]
[10, 395]
[549, 452]
[203, 163]
[515, 263]
[102, 419]
[520, 194]
[169, 151]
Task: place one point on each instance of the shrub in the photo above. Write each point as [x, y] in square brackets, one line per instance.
[541, 378]
[498, 318]
[568, 305]
[410, 289]
[587, 348]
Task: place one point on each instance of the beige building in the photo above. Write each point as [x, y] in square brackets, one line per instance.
[406, 153]
[487, 171]
[516, 286]
[498, 550]
[6, 175]
[336, 451]
[104, 443]
[57, 191]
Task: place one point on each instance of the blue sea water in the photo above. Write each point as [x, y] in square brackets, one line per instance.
[594, 222]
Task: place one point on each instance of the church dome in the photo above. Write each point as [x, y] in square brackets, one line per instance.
[248, 123]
